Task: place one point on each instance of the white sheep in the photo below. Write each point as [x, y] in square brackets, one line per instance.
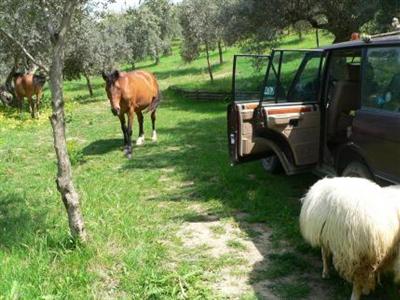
[357, 224]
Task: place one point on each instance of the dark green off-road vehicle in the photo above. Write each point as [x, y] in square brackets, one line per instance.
[333, 110]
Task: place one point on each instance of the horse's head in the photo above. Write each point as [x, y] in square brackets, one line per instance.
[113, 90]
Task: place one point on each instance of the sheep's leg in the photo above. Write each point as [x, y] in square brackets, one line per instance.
[356, 294]
[325, 262]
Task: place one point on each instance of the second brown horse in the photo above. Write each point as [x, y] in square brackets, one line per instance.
[29, 85]
[132, 93]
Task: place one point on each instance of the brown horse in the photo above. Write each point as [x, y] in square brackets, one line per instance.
[28, 85]
[130, 93]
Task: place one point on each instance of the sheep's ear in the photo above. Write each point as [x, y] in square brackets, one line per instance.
[105, 77]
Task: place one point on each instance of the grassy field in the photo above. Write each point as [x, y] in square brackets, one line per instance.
[137, 211]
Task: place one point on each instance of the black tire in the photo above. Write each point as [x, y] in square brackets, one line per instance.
[271, 164]
[357, 169]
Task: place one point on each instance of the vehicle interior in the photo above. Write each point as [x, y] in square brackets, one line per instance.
[343, 96]
[292, 116]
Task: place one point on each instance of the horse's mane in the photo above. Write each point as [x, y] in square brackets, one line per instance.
[39, 80]
[18, 74]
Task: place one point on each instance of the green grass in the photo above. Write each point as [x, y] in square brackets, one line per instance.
[133, 209]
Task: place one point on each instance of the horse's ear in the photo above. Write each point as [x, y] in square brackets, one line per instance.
[115, 74]
[105, 77]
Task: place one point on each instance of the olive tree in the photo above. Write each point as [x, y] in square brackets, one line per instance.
[85, 53]
[199, 31]
[150, 29]
[143, 35]
[52, 19]
[261, 21]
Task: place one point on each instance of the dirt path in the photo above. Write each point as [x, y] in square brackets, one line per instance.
[248, 246]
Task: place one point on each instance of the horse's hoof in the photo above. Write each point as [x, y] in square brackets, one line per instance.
[154, 137]
[140, 141]
[129, 156]
[326, 275]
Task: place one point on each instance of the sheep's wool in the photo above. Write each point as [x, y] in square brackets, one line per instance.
[357, 220]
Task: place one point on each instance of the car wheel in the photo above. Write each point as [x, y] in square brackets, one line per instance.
[271, 164]
[357, 169]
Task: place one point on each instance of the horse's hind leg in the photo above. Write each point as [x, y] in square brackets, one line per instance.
[37, 104]
[20, 101]
[153, 123]
[129, 135]
[140, 140]
[31, 106]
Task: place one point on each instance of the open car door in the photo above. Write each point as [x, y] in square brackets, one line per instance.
[285, 119]
[247, 84]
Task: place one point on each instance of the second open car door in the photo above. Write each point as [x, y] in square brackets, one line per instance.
[285, 118]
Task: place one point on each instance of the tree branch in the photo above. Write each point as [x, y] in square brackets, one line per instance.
[69, 8]
[314, 23]
[27, 54]
[50, 27]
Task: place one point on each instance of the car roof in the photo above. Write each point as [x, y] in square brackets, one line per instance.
[378, 41]
[386, 39]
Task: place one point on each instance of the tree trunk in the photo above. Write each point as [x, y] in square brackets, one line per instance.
[317, 37]
[300, 32]
[342, 36]
[221, 58]
[89, 84]
[10, 88]
[64, 182]
[208, 62]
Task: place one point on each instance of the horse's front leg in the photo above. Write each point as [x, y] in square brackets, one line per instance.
[129, 134]
[124, 131]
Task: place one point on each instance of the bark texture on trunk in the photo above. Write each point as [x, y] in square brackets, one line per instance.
[89, 84]
[208, 62]
[64, 182]
[221, 57]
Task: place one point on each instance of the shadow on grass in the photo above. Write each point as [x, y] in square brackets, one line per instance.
[16, 223]
[102, 147]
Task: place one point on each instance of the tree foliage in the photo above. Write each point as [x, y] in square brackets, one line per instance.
[200, 29]
[260, 22]
[150, 30]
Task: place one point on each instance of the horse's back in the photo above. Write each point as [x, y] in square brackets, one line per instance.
[144, 85]
[28, 84]
[148, 78]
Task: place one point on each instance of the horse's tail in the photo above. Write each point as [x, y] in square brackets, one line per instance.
[39, 80]
[157, 99]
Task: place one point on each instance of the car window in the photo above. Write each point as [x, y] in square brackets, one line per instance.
[306, 85]
[381, 86]
[293, 76]
[249, 76]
